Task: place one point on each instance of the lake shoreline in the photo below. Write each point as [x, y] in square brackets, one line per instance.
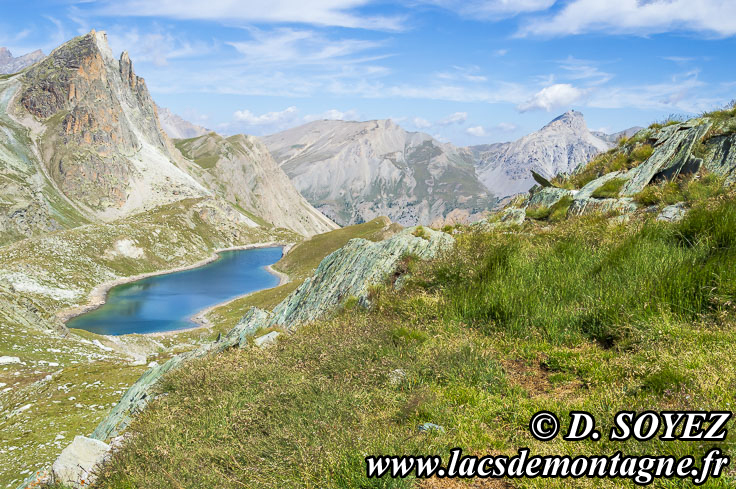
[98, 295]
[202, 322]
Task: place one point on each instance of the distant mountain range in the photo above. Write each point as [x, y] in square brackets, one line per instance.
[10, 64]
[106, 160]
[356, 171]
[178, 128]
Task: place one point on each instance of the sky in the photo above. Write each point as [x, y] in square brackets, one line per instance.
[464, 71]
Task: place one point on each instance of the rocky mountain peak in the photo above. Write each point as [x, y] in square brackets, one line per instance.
[571, 119]
[561, 146]
[100, 126]
[5, 55]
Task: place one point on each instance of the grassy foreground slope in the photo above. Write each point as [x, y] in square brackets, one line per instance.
[586, 315]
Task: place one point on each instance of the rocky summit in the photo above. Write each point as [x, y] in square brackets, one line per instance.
[356, 171]
[559, 147]
[99, 137]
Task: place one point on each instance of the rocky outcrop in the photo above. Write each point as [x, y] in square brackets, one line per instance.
[77, 465]
[356, 171]
[351, 271]
[672, 156]
[243, 172]
[101, 142]
[560, 147]
[11, 64]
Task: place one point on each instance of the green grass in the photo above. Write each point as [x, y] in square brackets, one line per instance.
[554, 213]
[610, 189]
[627, 155]
[582, 315]
[691, 190]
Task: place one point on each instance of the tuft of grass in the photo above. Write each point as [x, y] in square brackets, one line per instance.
[554, 213]
[538, 212]
[691, 190]
[627, 155]
[610, 189]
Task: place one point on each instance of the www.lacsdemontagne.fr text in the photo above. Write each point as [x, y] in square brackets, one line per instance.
[640, 469]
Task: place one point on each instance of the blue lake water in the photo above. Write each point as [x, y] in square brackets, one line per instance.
[167, 302]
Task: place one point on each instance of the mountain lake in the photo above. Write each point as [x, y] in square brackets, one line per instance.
[167, 302]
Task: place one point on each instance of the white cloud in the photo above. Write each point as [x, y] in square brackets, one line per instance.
[269, 118]
[477, 131]
[334, 115]
[506, 126]
[715, 17]
[421, 123]
[456, 118]
[492, 9]
[288, 46]
[580, 69]
[553, 96]
[156, 46]
[340, 13]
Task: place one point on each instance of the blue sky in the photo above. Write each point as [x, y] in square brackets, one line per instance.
[469, 72]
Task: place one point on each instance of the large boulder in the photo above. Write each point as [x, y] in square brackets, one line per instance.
[672, 155]
[78, 463]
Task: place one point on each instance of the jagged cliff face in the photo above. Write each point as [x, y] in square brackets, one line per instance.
[100, 139]
[244, 173]
[559, 147]
[356, 171]
[11, 64]
[177, 128]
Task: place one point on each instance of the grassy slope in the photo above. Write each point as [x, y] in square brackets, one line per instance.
[298, 264]
[586, 315]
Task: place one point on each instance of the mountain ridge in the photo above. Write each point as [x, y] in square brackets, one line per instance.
[10, 64]
[355, 171]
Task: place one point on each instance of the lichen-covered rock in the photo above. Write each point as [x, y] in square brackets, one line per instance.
[673, 213]
[351, 271]
[582, 207]
[722, 157]
[587, 191]
[548, 196]
[77, 464]
[672, 156]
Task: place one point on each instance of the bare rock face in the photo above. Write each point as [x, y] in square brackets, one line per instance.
[244, 173]
[356, 171]
[11, 64]
[559, 147]
[101, 140]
